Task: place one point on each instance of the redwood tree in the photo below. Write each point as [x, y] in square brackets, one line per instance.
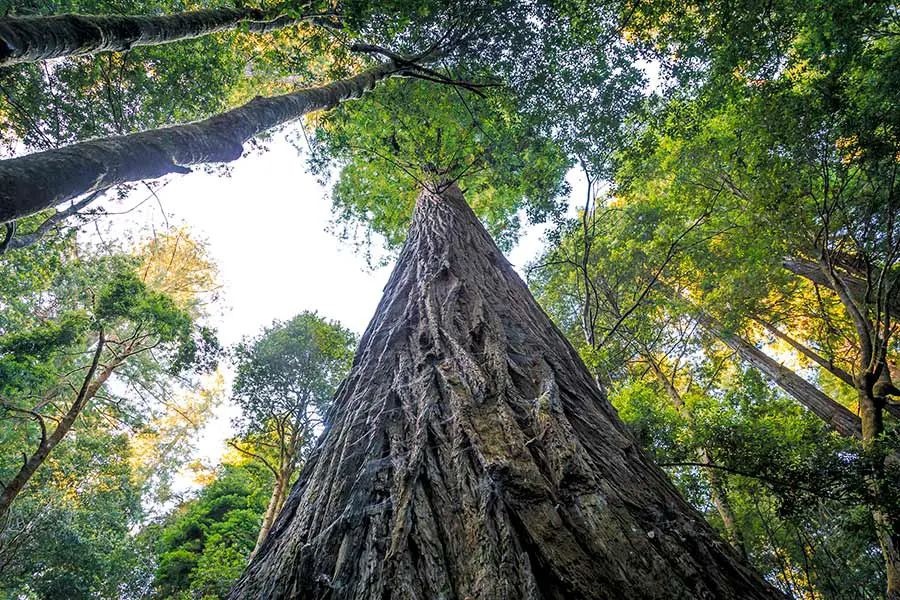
[471, 455]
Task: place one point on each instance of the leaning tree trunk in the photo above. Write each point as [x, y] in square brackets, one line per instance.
[36, 182]
[855, 285]
[820, 404]
[31, 39]
[470, 455]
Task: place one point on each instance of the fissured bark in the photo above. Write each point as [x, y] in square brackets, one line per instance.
[469, 455]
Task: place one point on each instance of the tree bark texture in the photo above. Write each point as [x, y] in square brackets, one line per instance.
[31, 39]
[42, 180]
[469, 455]
[835, 414]
[887, 526]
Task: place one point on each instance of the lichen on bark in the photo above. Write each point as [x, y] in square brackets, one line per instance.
[36, 38]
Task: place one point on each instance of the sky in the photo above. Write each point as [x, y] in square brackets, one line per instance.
[267, 229]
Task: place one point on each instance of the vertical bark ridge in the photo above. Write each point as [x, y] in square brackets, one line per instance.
[470, 455]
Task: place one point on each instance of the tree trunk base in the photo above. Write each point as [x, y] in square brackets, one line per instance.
[470, 455]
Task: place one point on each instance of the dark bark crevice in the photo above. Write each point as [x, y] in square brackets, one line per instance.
[471, 455]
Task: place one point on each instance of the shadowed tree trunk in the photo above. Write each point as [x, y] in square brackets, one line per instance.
[31, 39]
[35, 182]
[809, 353]
[828, 365]
[832, 412]
[470, 455]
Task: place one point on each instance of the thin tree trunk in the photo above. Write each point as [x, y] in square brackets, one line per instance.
[274, 507]
[469, 454]
[872, 360]
[817, 358]
[719, 495]
[841, 374]
[835, 414]
[31, 39]
[35, 182]
[717, 490]
[88, 390]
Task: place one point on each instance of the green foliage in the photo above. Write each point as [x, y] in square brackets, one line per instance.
[290, 371]
[112, 94]
[126, 297]
[204, 544]
[409, 135]
[797, 491]
[70, 530]
[771, 133]
[774, 133]
[70, 538]
[653, 421]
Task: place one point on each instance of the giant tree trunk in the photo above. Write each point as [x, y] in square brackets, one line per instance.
[36, 182]
[30, 39]
[470, 455]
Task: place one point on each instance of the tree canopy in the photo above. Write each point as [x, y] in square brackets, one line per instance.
[717, 183]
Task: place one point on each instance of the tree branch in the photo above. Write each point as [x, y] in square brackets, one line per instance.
[234, 445]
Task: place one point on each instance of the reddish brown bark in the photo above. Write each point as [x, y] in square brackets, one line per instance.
[470, 455]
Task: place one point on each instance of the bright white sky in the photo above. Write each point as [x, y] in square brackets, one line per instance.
[266, 229]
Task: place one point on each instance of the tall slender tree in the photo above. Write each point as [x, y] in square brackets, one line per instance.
[30, 39]
[284, 382]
